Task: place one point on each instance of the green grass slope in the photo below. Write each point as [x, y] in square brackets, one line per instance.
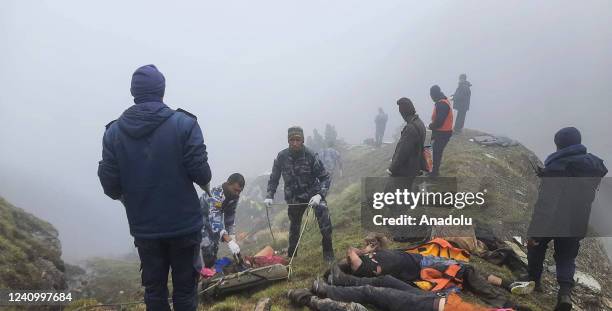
[507, 169]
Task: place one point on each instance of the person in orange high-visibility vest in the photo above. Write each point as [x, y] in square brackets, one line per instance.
[441, 126]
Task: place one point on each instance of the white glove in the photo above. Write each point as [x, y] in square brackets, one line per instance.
[233, 247]
[315, 200]
[268, 202]
[388, 172]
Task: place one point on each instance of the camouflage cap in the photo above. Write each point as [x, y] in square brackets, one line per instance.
[295, 131]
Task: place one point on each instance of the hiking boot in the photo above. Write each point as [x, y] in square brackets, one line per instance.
[564, 302]
[338, 278]
[319, 288]
[300, 296]
[538, 283]
[522, 288]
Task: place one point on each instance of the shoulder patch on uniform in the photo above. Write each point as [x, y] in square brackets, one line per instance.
[110, 123]
[187, 113]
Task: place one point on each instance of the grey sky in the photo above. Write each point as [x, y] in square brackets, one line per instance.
[250, 69]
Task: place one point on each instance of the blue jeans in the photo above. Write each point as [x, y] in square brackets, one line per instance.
[182, 256]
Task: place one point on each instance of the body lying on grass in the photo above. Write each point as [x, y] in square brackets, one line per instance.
[351, 293]
[376, 266]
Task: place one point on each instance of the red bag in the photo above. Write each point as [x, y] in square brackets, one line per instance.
[427, 160]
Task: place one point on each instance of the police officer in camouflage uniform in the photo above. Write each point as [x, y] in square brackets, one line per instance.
[219, 210]
[306, 184]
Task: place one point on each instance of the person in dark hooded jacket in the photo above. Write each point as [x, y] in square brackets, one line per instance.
[151, 157]
[441, 127]
[461, 101]
[406, 161]
[569, 182]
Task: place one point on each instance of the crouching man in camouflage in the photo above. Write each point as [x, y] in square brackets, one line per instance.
[219, 210]
[306, 184]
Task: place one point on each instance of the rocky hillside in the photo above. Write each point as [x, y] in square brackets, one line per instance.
[30, 251]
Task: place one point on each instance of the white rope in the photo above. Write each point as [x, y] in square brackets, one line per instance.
[298, 241]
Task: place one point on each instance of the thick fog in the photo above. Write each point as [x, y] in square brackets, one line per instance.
[250, 69]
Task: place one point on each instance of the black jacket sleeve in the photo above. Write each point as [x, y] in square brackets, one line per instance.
[274, 178]
[545, 209]
[442, 111]
[108, 169]
[195, 157]
[405, 148]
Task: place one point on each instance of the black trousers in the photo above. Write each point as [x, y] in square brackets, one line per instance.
[380, 133]
[566, 251]
[386, 293]
[460, 121]
[181, 255]
[325, 227]
[438, 145]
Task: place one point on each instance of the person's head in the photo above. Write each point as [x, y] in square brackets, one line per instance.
[436, 93]
[376, 241]
[148, 85]
[567, 136]
[295, 137]
[406, 108]
[380, 110]
[234, 185]
[462, 77]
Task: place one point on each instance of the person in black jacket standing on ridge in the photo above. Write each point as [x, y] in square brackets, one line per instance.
[461, 101]
[406, 161]
[570, 179]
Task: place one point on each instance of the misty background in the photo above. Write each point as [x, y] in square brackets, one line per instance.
[251, 69]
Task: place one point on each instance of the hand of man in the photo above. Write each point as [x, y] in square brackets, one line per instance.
[315, 200]
[388, 172]
[233, 247]
[206, 189]
[268, 202]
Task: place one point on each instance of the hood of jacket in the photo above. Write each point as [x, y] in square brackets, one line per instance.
[436, 93]
[576, 161]
[142, 119]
